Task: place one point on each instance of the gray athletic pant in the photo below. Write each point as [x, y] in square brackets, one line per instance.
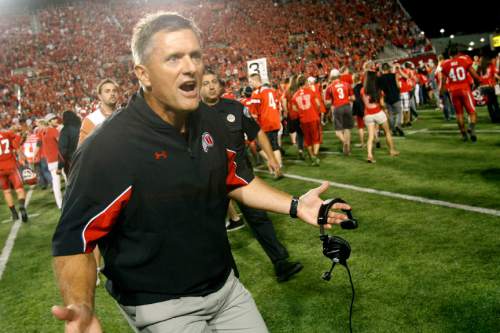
[230, 309]
[395, 114]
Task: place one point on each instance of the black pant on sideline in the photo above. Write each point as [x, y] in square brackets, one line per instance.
[493, 108]
[263, 229]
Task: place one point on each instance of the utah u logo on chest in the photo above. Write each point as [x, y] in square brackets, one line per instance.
[207, 141]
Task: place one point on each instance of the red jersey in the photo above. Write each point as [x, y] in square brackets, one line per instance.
[50, 144]
[406, 84]
[265, 105]
[422, 79]
[488, 78]
[338, 93]
[305, 101]
[347, 78]
[319, 95]
[292, 114]
[29, 148]
[9, 142]
[455, 72]
[246, 101]
[228, 95]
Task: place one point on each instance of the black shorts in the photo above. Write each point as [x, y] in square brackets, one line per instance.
[273, 139]
[342, 116]
[293, 125]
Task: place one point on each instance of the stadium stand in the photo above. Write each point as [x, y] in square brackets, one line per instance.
[67, 50]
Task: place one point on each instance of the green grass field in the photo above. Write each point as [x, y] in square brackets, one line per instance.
[416, 267]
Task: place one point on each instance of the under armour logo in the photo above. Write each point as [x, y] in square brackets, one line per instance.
[161, 155]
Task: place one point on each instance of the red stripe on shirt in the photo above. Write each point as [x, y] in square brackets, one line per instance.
[233, 181]
[101, 224]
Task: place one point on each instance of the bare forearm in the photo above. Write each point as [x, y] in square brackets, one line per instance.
[76, 276]
[260, 195]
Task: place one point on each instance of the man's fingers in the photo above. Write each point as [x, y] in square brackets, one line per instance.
[322, 188]
[340, 205]
[336, 218]
[63, 313]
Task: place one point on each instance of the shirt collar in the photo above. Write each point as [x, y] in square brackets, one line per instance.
[144, 111]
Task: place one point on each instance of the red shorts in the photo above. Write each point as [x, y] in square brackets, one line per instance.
[360, 122]
[462, 99]
[10, 176]
[312, 133]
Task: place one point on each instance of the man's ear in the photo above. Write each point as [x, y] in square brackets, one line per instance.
[142, 74]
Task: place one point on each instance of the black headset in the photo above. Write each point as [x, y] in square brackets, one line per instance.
[336, 248]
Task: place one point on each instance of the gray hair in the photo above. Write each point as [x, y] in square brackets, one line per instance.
[153, 23]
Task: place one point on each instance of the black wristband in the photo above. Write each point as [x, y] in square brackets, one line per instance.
[293, 207]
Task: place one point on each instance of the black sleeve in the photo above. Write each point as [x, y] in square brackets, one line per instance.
[63, 145]
[63, 141]
[96, 194]
[250, 126]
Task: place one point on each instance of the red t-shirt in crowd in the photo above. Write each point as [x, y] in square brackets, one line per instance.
[347, 78]
[228, 95]
[338, 93]
[370, 107]
[265, 105]
[305, 101]
[488, 78]
[406, 83]
[50, 148]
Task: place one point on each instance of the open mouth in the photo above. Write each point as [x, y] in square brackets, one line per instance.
[188, 86]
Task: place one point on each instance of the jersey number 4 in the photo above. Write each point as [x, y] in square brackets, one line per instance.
[272, 102]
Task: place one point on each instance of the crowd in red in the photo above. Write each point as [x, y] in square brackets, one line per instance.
[58, 55]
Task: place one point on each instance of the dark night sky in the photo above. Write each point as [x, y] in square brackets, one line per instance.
[468, 16]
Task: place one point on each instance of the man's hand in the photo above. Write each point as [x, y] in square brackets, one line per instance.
[274, 166]
[79, 318]
[310, 203]
[59, 172]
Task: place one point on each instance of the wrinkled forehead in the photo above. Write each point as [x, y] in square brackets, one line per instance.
[183, 41]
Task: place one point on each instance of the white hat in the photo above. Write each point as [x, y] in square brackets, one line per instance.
[311, 79]
[334, 73]
[50, 116]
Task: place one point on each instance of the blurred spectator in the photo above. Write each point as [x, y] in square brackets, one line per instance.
[50, 151]
[68, 140]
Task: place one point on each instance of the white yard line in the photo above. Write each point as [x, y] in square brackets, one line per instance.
[330, 153]
[449, 131]
[416, 131]
[7, 249]
[413, 198]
